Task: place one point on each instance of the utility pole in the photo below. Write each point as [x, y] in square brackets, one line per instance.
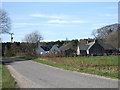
[11, 37]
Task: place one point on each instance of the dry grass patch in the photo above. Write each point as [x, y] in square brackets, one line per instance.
[102, 63]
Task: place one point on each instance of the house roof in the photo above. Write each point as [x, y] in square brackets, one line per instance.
[68, 46]
[65, 47]
[107, 46]
[84, 47]
[89, 45]
[47, 47]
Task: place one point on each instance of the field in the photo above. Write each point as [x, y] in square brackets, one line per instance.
[100, 65]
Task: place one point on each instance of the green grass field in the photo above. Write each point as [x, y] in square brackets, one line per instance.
[6, 80]
[101, 65]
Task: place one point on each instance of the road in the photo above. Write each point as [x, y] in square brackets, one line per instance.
[32, 74]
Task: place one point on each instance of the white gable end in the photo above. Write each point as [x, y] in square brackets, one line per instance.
[55, 48]
[39, 50]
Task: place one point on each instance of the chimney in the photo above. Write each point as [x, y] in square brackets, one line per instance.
[88, 40]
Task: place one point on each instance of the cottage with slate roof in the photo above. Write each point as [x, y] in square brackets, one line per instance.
[68, 49]
[47, 49]
[108, 48]
[95, 48]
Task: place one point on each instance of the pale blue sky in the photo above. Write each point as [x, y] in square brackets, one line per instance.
[56, 21]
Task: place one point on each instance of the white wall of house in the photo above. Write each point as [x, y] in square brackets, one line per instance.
[87, 51]
[78, 50]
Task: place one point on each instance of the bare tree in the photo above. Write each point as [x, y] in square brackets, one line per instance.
[101, 34]
[5, 22]
[32, 39]
[104, 32]
[94, 33]
[108, 34]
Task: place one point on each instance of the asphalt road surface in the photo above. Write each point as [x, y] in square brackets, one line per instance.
[32, 74]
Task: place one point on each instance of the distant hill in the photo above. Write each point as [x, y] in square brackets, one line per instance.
[113, 27]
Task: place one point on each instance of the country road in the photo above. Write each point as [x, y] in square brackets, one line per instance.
[30, 74]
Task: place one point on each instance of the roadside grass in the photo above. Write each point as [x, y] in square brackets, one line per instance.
[100, 65]
[7, 80]
[0, 76]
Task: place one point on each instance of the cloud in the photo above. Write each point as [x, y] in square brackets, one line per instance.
[59, 18]
[24, 24]
[112, 16]
[99, 24]
[21, 25]
[108, 15]
[55, 22]
[38, 15]
[112, 7]
[48, 16]
[28, 24]
[63, 21]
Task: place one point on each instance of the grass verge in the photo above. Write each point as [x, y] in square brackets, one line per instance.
[7, 80]
[75, 68]
[0, 76]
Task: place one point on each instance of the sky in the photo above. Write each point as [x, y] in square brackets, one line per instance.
[59, 20]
